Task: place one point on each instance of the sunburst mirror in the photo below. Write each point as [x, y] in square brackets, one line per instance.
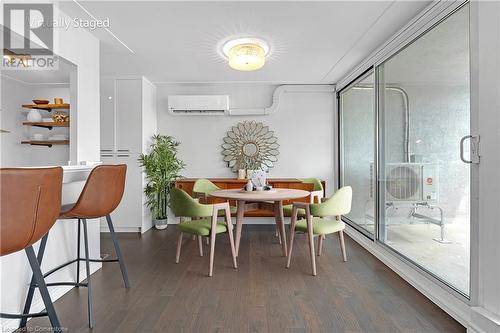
[250, 145]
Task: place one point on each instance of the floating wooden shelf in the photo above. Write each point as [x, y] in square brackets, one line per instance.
[45, 124]
[47, 107]
[47, 143]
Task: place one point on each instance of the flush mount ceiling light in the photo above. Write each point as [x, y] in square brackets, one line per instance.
[246, 54]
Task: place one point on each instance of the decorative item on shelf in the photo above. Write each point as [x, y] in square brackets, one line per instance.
[162, 167]
[40, 101]
[37, 136]
[242, 173]
[58, 100]
[34, 116]
[57, 137]
[60, 117]
[250, 145]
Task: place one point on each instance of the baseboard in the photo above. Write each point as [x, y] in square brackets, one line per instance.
[121, 229]
[484, 321]
[56, 292]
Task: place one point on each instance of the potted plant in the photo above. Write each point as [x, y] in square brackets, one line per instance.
[162, 167]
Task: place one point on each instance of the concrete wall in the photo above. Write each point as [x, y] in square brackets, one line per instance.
[439, 118]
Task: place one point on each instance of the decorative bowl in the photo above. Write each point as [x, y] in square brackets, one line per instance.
[40, 101]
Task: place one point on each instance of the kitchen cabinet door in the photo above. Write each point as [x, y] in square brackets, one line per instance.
[107, 115]
[128, 214]
[128, 113]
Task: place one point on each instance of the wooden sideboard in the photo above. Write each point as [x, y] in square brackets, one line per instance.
[232, 183]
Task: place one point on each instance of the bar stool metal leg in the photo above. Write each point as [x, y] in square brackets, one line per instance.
[87, 266]
[37, 274]
[78, 256]
[31, 291]
[118, 252]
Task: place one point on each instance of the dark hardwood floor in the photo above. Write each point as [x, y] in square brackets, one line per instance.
[361, 295]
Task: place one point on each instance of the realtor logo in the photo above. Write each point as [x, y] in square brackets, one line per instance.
[29, 28]
[28, 36]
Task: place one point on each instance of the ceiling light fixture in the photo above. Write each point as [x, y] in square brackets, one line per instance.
[246, 54]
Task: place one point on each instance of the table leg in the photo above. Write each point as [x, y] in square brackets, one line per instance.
[280, 222]
[240, 212]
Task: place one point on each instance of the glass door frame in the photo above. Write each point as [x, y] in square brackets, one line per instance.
[369, 71]
[374, 68]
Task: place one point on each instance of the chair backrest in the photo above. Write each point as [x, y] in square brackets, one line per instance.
[30, 202]
[102, 192]
[338, 204]
[204, 186]
[184, 206]
[317, 186]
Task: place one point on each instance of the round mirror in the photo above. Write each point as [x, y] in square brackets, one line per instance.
[250, 149]
[250, 145]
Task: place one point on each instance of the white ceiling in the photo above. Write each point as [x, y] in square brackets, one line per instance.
[311, 42]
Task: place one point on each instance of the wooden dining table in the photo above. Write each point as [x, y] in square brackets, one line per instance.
[251, 200]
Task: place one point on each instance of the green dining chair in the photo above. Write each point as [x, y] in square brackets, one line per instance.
[203, 223]
[316, 193]
[317, 223]
[202, 189]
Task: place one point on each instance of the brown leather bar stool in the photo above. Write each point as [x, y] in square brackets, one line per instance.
[100, 196]
[30, 204]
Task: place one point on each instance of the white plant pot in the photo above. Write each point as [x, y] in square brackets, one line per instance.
[161, 224]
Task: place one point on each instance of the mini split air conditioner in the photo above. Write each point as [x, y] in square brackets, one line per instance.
[410, 183]
[199, 105]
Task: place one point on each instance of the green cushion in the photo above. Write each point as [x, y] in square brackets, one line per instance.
[321, 226]
[287, 210]
[232, 209]
[183, 205]
[339, 204]
[200, 227]
[204, 186]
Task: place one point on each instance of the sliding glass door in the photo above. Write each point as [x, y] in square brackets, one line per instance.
[357, 149]
[423, 170]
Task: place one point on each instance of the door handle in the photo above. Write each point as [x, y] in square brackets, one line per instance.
[474, 149]
[122, 155]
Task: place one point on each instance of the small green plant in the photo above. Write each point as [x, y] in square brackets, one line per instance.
[162, 168]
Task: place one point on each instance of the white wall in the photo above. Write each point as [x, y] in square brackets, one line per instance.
[303, 124]
[12, 152]
[81, 48]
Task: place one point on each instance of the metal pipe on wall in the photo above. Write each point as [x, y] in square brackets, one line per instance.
[406, 104]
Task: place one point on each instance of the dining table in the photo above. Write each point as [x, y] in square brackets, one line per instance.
[269, 199]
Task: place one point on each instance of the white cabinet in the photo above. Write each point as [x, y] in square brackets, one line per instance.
[128, 120]
[107, 115]
[128, 215]
[128, 115]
